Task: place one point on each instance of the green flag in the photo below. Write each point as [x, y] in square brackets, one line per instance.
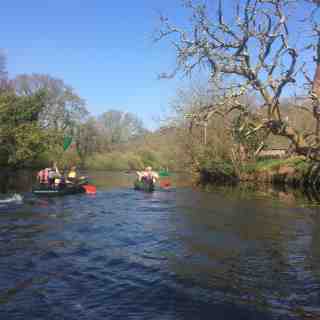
[164, 173]
[66, 142]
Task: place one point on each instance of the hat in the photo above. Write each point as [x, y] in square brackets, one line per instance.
[149, 168]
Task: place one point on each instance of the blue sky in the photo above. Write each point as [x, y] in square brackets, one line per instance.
[103, 48]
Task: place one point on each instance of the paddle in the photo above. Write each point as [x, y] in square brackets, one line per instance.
[89, 188]
[165, 183]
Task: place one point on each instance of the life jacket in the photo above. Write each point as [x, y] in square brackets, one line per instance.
[52, 173]
[43, 175]
[72, 174]
[150, 175]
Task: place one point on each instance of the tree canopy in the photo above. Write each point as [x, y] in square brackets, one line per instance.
[63, 107]
[21, 138]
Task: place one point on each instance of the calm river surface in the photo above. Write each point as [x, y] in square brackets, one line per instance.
[181, 253]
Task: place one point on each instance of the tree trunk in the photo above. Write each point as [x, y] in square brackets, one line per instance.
[301, 146]
[316, 82]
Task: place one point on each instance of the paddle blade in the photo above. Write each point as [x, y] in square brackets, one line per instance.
[165, 183]
[90, 189]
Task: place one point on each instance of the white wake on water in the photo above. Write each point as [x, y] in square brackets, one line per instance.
[15, 198]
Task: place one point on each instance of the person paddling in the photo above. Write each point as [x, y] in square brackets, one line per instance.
[72, 175]
[48, 175]
[42, 176]
[148, 174]
[53, 174]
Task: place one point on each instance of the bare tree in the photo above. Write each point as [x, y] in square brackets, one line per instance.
[118, 126]
[3, 65]
[253, 51]
[5, 83]
[314, 84]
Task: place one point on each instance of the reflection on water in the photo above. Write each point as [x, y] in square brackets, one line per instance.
[181, 253]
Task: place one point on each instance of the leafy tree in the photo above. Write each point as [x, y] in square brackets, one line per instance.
[63, 110]
[21, 137]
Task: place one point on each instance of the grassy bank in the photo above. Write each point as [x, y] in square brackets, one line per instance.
[295, 171]
[273, 165]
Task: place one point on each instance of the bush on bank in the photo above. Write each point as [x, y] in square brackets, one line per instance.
[213, 166]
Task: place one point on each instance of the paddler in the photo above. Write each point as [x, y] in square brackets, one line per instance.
[72, 175]
[53, 174]
[148, 174]
[48, 175]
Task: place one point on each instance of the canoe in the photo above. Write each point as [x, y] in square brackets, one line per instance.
[47, 191]
[144, 185]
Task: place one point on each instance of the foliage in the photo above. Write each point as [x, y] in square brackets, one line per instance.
[63, 110]
[22, 139]
[148, 158]
[274, 164]
[88, 139]
[114, 161]
[69, 158]
[38, 111]
[118, 126]
[128, 160]
[107, 133]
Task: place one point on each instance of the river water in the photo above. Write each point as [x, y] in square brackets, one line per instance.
[179, 253]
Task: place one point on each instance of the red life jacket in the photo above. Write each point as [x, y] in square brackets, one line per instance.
[43, 175]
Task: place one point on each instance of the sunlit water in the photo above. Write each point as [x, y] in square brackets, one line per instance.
[179, 253]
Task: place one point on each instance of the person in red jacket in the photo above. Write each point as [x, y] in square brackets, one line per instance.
[48, 175]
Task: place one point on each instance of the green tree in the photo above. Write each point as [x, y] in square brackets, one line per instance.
[63, 109]
[21, 137]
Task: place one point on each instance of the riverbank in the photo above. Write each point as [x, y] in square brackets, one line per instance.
[293, 171]
[296, 171]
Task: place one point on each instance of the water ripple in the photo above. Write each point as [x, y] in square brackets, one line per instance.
[179, 254]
